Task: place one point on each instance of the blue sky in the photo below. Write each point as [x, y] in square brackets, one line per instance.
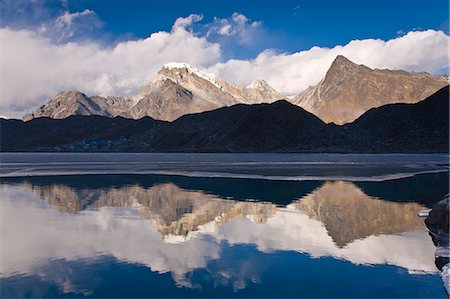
[288, 25]
[112, 47]
[284, 25]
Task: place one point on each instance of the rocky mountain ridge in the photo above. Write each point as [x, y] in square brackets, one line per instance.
[276, 127]
[178, 89]
[346, 92]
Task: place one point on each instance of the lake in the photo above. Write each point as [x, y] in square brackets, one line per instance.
[219, 225]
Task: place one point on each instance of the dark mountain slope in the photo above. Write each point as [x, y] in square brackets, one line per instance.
[276, 127]
[46, 133]
[280, 126]
[421, 127]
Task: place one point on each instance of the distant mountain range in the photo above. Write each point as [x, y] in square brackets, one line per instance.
[276, 127]
[178, 89]
[346, 92]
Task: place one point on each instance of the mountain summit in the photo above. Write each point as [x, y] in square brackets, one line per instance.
[261, 92]
[348, 90]
[275, 127]
[179, 89]
[67, 103]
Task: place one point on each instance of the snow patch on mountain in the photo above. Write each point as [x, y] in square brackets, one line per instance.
[193, 70]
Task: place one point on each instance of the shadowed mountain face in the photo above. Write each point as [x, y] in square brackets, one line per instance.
[266, 127]
[276, 127]
[52, 133]
[348, 90]
[405, 190]
[398, 126]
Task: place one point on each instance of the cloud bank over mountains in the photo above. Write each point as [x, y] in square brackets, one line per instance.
[292, 73]
[36, 64]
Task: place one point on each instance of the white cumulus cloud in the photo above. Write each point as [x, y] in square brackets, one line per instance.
[238, 25]
[183, 23]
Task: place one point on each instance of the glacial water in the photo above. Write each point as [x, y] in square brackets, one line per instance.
[219, 225]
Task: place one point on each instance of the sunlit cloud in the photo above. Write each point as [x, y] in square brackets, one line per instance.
[238, 25]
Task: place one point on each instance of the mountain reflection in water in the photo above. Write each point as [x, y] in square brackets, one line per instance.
[182, 225]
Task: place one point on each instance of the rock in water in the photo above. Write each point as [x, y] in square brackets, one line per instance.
[438, 219]
[437, 223]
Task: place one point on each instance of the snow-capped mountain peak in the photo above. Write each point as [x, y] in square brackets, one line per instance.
[174, 66]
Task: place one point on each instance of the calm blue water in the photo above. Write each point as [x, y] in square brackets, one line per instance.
[248, 226]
